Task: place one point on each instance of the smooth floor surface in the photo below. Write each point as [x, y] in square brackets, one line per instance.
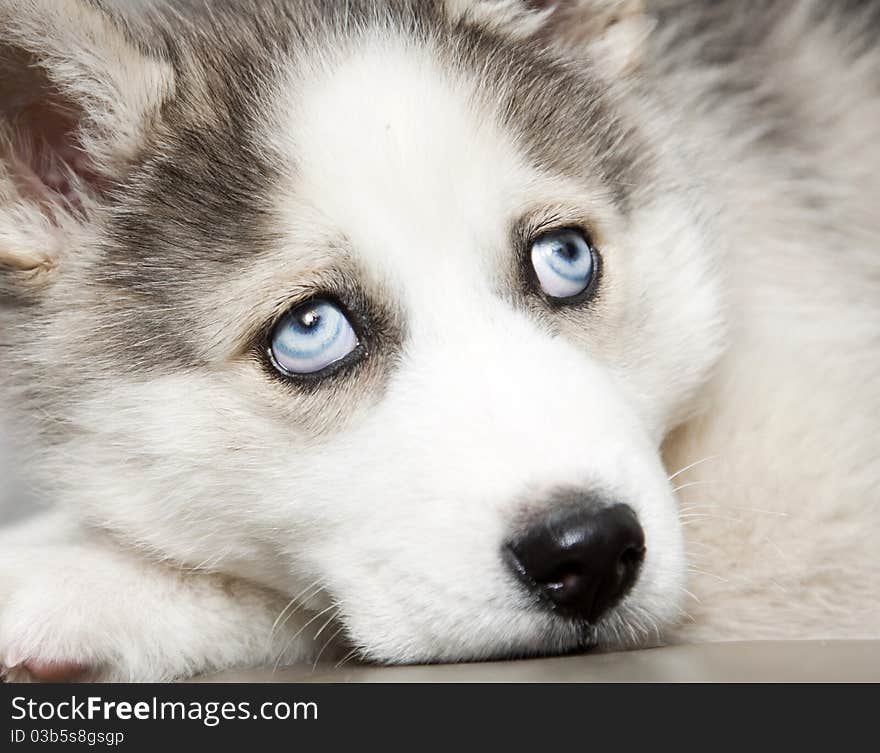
[756, 661]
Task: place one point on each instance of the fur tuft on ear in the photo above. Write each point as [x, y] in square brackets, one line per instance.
[515, 18]
[77, 96]
[612, 33]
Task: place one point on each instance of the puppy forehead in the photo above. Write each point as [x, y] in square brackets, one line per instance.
[404, 158]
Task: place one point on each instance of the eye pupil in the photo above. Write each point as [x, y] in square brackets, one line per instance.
[310, 319]
[563, 263]
[569, 251]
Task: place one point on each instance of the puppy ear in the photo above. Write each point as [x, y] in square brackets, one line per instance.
[611, 33]
[77, 97]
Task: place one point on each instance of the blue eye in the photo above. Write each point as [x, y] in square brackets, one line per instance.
[311, 337]
[563, 262]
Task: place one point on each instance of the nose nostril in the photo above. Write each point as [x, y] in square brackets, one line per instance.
[632, 557]
[583, 560]
[565, 582]
[628, 566]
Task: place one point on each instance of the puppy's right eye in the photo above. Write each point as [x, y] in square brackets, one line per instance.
[311, 338]
[564, 263]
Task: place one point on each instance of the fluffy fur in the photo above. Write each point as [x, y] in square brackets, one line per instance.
[196, 171]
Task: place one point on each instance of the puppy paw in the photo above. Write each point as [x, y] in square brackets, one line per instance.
[46, 670]
[51, 619]
[76, 614]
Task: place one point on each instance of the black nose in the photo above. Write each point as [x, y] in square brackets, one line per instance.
[582, 559]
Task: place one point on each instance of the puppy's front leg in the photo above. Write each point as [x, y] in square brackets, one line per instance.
[75, 606]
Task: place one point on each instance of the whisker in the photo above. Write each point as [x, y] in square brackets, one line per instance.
[350, 655]
[324, 626]
[706, 516]
[327, 643]
[692, 465]
[694, 483]
[299, 632]
[702, 544]
[692, 595]
[300, 595]
[778, 513]
[632, 634]
[707, 574]
[699, 558]
[280, 615]
[209, 563]
[776, 547]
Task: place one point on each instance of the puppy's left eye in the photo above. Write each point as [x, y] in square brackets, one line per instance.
[564, 262]
[312, 337]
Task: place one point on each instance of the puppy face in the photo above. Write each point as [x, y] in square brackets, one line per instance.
[391, 321]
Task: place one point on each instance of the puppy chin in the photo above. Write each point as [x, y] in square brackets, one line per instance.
[530, 633]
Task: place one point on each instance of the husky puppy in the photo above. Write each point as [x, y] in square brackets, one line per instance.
[418, 331]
